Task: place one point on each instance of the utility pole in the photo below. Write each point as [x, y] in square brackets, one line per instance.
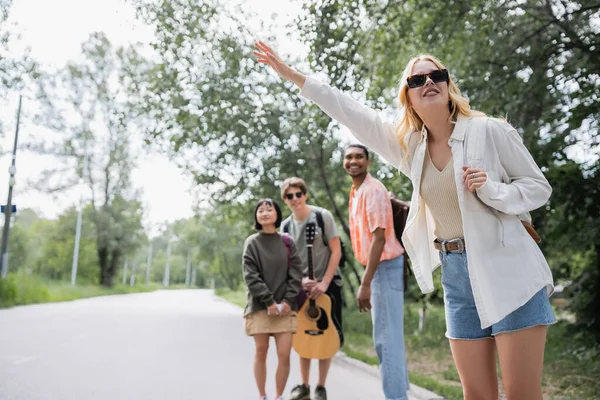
[8, 210]
[166, 276]
[149, 263]
[187, 269]
[125, 272]
[132, 278]
[78, 226]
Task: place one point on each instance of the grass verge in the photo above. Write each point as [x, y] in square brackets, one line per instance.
[21, 289]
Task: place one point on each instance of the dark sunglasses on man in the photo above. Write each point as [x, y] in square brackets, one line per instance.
[437, 76]
[290, 196]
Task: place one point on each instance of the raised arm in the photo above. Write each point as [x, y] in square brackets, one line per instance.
[365, 123]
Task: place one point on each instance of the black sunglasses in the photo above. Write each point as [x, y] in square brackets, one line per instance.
[439, 75]
[290, 196]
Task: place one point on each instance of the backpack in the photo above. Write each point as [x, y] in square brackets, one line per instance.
[400, 214]
[287, 240]
[321, 223]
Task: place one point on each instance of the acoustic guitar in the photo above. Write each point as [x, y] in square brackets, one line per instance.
[316, 336]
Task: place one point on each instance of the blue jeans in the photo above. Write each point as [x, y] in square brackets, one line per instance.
[387, 299]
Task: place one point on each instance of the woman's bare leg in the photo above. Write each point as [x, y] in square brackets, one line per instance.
[283, 342]
[475, 361]
[260, 362]
[521, 355]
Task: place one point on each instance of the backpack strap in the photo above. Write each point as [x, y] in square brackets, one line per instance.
[321, 223]
[287, 240]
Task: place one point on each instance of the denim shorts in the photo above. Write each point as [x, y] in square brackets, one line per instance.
[462, 320]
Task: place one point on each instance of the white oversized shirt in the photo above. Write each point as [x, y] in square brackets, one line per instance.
[506, 267]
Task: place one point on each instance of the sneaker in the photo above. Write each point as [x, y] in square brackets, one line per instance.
[264, 398]
[279, 398]
[320, 393]
[300, 392]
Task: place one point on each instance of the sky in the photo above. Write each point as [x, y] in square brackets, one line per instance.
[55, 30]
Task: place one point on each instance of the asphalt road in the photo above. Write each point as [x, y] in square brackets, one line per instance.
[179, 344]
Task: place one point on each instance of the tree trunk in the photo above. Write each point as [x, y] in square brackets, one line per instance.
[113, 265]
[108, 264]
[103, 262]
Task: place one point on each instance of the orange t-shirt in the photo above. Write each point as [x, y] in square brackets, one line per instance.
[370, 208]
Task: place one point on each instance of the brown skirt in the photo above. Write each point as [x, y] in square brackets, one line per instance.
[259, 322]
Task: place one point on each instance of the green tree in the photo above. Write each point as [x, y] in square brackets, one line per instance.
[56, 249]
[89, 108]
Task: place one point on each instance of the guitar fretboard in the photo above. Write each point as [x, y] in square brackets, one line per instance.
[311, 271]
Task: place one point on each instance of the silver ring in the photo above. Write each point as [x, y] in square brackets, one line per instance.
[472, 175]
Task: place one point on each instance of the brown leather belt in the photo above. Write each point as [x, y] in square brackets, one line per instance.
[454, 245]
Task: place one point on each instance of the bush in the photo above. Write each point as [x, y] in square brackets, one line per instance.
[20, 289]
[8, 291]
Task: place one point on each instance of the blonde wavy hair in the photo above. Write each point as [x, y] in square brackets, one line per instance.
[409, 121]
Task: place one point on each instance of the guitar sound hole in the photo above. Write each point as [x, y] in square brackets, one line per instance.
[313, 312]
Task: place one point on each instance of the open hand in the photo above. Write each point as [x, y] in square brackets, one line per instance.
[266, 55]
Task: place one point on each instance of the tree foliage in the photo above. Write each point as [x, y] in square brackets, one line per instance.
[86, 104]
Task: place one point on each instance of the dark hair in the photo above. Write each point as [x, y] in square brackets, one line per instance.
[293, 182]
[269, 202]
[360, 146]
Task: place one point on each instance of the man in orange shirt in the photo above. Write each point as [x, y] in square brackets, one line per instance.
[382, 289]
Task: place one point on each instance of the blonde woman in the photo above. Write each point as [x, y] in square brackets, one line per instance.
[473, 182]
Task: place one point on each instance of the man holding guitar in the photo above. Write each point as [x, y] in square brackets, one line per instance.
[326, 254]
[381, 291]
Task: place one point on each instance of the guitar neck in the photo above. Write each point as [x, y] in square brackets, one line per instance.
[311, 271]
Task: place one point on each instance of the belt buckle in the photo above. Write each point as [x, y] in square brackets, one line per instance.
[461, 245]
[443, 243]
